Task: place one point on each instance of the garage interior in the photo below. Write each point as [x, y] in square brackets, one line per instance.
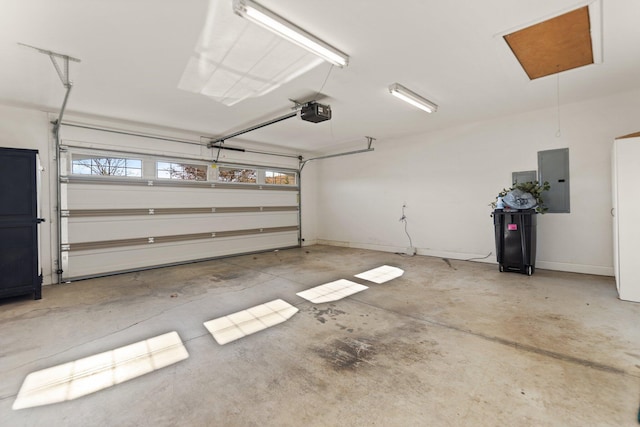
[189, 168]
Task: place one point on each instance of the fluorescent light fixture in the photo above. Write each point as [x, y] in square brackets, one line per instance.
[412, 98]
[272, 22]
[235, 60]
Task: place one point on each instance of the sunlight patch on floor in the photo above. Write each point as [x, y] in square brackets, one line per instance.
[94, 373]
[332, 291]
[381, 274]
[246, 322]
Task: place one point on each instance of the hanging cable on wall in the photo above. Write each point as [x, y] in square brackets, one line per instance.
[411, 250]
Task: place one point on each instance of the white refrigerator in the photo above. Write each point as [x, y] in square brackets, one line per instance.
[626, 216]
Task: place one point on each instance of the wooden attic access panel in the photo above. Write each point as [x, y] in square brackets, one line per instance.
[631, 135]
[555, 45]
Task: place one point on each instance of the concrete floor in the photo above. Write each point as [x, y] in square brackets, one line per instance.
[451, 343]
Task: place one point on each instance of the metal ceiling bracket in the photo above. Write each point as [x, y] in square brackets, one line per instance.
[63, 74]
[369, 141]
[220, 144]
[328, 156]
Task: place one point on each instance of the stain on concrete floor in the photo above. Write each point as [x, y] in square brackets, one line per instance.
[348, 353]
[327, 313]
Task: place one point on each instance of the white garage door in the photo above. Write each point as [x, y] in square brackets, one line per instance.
[124, 211]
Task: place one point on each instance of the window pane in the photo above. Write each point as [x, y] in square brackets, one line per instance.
[81, 169]
[184, 171]
[280, 178]
[106, 166]
[237, 175]
[134, 163]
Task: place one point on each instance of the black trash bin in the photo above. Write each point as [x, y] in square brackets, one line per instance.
[516, 240]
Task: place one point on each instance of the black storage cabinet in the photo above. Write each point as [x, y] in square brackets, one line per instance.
[19, 224]
[516, 240]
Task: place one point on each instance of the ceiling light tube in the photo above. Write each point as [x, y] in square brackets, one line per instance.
[412, 98]
[285, 29]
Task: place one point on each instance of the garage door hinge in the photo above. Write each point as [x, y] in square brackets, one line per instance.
[213, 210]
[213, 185]
[151, 211]
[150, 239]
[64, 179]
[65, 247]
[213, 234]
[64, 213]
[150, 183]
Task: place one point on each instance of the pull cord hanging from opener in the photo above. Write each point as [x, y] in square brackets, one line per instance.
[558, 132]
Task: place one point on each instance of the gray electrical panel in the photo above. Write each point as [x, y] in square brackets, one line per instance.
[553, 167]
[524, 176]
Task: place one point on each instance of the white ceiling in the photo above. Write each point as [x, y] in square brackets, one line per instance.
[134, 52]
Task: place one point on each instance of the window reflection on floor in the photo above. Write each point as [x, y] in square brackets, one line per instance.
[94, 373]
[381, 274]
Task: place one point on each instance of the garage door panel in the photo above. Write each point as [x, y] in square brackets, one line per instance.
[131, 220]
[98, 229]
[95, 262]
[83, 196]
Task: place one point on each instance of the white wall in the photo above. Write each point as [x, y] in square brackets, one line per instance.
[22, 128]
[447, 179]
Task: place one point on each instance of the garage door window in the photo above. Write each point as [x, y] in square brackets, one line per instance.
[237, 175]
[280, 178]
[106, 166]
[183, 171]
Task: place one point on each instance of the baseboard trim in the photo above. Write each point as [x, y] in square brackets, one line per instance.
[596, 270]
[463, 256]
[401, 249]
[309, 242]
[381, 248]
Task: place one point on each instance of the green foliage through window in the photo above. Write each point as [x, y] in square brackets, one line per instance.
[280, 178]
[237, 175]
